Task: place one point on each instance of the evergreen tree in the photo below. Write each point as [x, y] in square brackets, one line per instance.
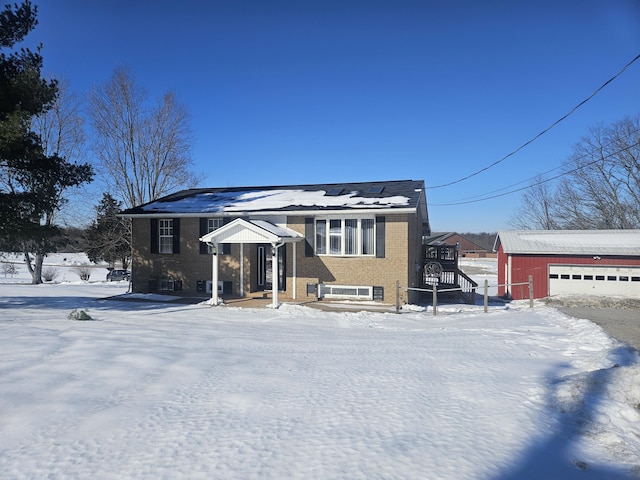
[107, 239]
[31, 182]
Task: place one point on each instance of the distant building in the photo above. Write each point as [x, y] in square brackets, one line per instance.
[569, 262]
[464, 245]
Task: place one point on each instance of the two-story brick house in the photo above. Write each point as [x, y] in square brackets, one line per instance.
[350, 240]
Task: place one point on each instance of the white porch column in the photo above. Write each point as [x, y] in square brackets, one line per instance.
[274, 275]
[214, 275]
[295, 275]
[242, 269]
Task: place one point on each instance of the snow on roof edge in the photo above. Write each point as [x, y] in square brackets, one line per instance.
[570, 242]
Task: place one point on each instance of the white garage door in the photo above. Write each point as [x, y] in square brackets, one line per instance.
[594, 280]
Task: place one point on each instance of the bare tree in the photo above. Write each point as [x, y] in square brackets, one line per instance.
[145, 152]
[603, 181]
[61, 130]
[600, 188]
[538, 207]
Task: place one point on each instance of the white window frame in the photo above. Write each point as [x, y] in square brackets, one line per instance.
[165, 235]
[213, 224]
[335, 239]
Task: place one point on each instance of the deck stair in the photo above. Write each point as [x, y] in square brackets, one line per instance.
[440, 268]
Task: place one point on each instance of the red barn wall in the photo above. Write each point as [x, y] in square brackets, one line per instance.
[538, 266]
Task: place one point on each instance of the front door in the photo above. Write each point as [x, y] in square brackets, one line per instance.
[265, 267]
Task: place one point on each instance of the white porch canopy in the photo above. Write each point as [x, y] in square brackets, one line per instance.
[250, 231]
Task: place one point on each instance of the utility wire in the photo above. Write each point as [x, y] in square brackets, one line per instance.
[541, 133]
[491, 197]
[481, 196]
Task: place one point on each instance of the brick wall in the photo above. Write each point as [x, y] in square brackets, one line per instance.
[402, 251]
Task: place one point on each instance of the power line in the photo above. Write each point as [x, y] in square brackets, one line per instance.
[540, 175]
[545, 180]
[541, 133]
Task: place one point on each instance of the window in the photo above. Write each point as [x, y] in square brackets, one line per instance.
[212, 224]
[351, 236]
[576, 277]
[345, 236]
[612, 278]
[321, 237]
[367, 236]
[588, 277]
[165, 236]
[335, 237]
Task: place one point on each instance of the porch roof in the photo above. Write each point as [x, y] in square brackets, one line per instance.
[251, 231]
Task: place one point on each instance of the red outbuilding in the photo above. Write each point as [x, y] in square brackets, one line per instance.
[568, 262]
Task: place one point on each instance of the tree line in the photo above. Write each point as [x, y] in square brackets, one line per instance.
[140, 150]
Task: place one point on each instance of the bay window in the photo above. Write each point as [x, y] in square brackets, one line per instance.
[345, 236]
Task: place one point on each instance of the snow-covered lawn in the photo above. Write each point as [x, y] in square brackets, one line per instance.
[162, 390]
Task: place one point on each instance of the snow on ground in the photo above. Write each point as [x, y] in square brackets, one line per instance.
[154, 389]
[65, 265]
[481, 269]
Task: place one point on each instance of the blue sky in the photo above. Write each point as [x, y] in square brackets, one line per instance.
[292, 92]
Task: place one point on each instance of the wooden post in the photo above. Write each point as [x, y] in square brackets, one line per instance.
[397, 296]
[435, 300]
[486, 295]
[530, 291]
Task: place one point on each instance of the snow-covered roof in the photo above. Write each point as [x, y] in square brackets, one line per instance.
[395, 195]
[570, 242]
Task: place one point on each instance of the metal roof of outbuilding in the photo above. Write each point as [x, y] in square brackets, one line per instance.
[570, 242]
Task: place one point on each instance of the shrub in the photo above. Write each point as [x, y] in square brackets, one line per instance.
[83, 271]
[9, 269]
[49, 274]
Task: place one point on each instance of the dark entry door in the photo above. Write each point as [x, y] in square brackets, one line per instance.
[265, 267]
